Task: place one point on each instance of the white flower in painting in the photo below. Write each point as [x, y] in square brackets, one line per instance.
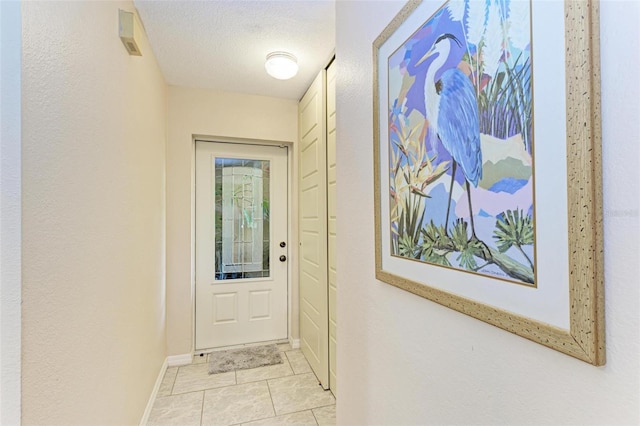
[476, 21]
[520, 27]
[504, 7]
[456, 9]
[493, 40]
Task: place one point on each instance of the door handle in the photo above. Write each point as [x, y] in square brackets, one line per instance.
[283, 258]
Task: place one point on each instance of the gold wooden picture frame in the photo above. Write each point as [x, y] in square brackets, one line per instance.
[434, 261]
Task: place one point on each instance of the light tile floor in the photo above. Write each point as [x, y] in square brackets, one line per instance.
[283, 394]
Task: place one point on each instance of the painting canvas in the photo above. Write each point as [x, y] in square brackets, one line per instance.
[487, 164]
[461, 142]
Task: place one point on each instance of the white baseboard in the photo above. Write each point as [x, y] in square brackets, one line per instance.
[183, 359]
[154, 393]
[295, 343]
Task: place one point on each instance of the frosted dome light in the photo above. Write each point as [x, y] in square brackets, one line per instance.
[281, 65]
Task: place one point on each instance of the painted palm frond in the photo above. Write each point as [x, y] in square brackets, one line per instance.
[431, 236]
[467, 251]
[408, 247]
[459, 235]
[514, 229]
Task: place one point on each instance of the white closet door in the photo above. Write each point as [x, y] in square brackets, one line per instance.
[331, 216]
[313, 230]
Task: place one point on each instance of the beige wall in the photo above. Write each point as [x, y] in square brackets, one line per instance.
[94, 136]
[405, 360]
[208, 113]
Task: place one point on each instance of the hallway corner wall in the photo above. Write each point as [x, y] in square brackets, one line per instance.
[403, 359]
[94, 142]
[210, 113]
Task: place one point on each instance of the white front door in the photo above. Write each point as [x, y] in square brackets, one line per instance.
[241, 244]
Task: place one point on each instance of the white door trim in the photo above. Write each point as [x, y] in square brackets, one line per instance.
[292, 227]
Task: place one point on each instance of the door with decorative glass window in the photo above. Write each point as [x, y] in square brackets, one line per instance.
[241, 244]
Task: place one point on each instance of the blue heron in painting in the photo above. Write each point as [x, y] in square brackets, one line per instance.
[452, 113]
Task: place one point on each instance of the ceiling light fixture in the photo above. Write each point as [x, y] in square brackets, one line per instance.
[281, 65]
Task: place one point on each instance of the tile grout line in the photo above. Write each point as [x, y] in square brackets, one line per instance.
[315, 418]
[188, 392]
[275, 413]
[325, 406]
[307, 409]
[242, 384]
[225, 386]
[236, 384]
[203, 389]
[305, 359]
[202, 409]
[263, 418]
[274, 409]
[286, 355]
[282, 415]
[289, 364]
[174, 381]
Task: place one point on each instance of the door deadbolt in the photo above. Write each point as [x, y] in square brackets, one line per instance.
[283, 244]
[283, 258]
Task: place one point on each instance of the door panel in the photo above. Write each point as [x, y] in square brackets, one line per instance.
[241, 217]
[260, 305]
[313, 230]
[225, 308]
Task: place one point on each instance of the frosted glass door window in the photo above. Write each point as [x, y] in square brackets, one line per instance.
[241, 218]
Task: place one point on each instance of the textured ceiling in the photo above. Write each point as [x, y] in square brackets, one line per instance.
[222, 45]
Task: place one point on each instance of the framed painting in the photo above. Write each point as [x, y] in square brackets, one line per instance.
[487, 158]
